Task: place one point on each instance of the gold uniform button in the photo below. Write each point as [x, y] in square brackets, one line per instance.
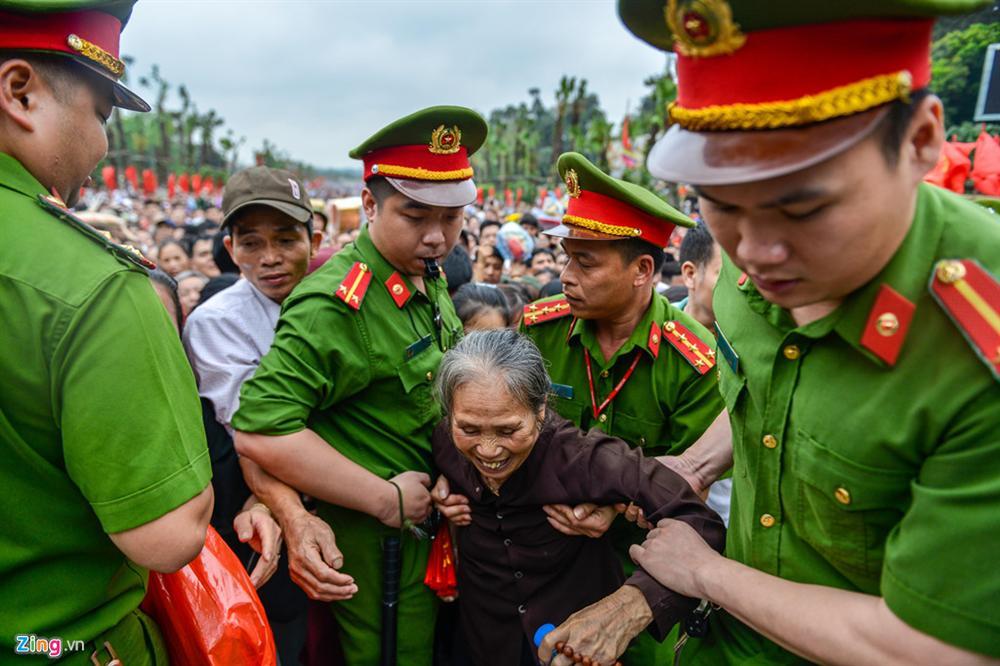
[642, 441]
[770, 441]
[792, 352]
[602, 418]
[843, 495]
[604, 374]
[767, 520]
[430, 376]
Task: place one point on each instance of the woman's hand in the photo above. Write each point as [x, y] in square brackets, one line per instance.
[452, 506]
[634, 514]
[256, 526]
[415, 502]
[600, 632]
[587, 520]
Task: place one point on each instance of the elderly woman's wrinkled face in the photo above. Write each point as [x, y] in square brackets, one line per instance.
[493, 430]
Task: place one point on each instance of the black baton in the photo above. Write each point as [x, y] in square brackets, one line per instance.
[390, 598]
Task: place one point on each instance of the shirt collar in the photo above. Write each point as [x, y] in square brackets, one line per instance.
[384, 272]
[583, 331]
[271, 309]
[14, 176]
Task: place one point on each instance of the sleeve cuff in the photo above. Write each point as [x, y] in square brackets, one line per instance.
[148, 504]
[668, 607]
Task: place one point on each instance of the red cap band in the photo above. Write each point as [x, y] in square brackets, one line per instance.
[417, 162]
[50, 31]
[605, 214]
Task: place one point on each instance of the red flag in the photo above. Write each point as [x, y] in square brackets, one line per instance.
[626, 141]
[479, 196]
[629, 156]
[132, 177]
[208, 186]
[520, 191]
[184, 182]
[171, 185]
[558, 192]
[952, 169]
[986, 167]
[541, 195]
[492, 192]
[148, 181]
[196, 183]
[508, 197]
[108, 176]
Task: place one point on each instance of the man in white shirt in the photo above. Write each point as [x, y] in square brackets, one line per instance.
[271, 240]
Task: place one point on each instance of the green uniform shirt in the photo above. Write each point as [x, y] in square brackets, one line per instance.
[862, 476]
[100, 424]
[362, 380]
[664, 406]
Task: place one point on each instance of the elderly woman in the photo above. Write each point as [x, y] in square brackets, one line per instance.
[501, 448]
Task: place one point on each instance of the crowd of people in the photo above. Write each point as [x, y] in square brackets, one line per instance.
[440, 431]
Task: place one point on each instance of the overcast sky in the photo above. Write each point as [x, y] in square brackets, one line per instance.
[317, 77]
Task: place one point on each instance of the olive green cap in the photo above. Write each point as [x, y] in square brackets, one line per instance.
[605, 208]
[120, 9]
[266, 186]
[646, 19]
[418, 127]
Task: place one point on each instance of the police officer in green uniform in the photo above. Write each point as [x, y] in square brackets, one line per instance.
[341, 407]
[106, 472]
[621, 357]
[859, 340]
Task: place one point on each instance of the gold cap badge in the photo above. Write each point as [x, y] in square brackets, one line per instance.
[446, 140]
[703, 28]
[572, 183]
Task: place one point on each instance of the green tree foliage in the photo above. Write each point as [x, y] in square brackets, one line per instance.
[957, 68]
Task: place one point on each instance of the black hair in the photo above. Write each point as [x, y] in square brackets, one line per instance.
[173, 241]
[221, 255]
[540, 251]
[488, 223]
[160, 277]
[217, 284]
[381, 189]
[59, 72]
[515, 294]
[670, 269]
[698, 245]
[631, 249]
[893, 127]
[457, 268]
[551, 288]
[472, 299]
[529, 219]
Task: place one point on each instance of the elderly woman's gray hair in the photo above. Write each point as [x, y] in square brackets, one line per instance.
[502, 357]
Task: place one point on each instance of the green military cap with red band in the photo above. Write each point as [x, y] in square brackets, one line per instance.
[605, 208]
[781, 65]
[87, 32]
[425, 155]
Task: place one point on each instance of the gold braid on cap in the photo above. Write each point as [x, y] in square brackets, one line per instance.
[419, 173]
[96, 54]
[835, 103]
[594, 225]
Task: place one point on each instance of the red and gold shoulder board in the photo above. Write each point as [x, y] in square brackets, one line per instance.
[354, 287]
[691, 347]
[539, 312]
[126, 254]
[971, 297]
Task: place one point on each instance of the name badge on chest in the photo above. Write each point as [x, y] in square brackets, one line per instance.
[563, 390]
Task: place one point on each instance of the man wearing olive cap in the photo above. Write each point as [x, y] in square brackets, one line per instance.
[859, 339]
[341, 408]
[106, 473]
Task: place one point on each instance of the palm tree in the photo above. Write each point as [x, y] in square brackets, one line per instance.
[567, 84]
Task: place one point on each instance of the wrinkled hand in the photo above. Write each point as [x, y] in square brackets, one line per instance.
[674, 553]
[452, 506]
[587, 520]
[634, 514]
[256, 527]
[416, 499]
[313, 559]
[600, 632]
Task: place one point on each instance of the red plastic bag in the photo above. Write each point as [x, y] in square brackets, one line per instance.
[440, 574]
[209, 611]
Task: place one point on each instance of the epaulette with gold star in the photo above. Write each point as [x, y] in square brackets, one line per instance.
[540, 312]
[691, 347]
[970, 296]
[126, 254]
[354, 287]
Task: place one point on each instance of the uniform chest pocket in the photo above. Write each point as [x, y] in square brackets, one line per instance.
[845, 509]
[642, 432]
[569, 408]
[417, 376]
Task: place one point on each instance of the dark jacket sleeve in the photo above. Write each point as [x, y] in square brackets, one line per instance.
[608, 471]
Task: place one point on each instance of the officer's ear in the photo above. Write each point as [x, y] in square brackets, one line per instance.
[644, 270]
[20, 87]
[369, 204]
[924, 138]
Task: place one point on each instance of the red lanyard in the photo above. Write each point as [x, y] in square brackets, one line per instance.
[615, 390]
